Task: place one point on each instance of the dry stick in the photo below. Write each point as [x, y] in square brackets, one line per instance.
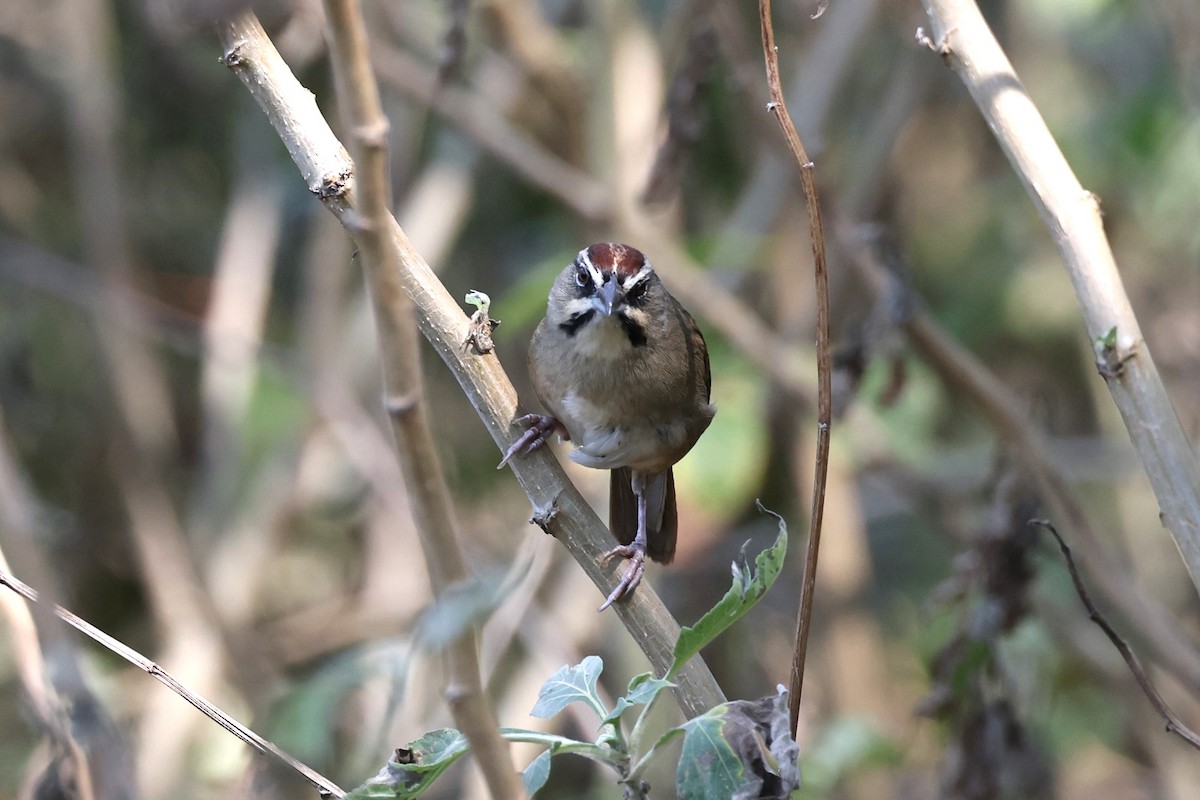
[401, 361]
[327, 787]
[558, 506]
[963, 39]
[1174, 724]
[824, 367]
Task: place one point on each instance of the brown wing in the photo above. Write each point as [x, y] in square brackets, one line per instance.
[697, 349]
[702, 346]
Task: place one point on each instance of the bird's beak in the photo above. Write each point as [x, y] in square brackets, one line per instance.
[606, 298]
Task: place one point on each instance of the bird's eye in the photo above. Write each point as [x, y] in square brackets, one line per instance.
[636, 293]
[582, 276]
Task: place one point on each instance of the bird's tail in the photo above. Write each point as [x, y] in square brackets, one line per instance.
[662, 519]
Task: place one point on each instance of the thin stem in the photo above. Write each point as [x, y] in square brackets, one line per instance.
[824, 366]
[1174, 724]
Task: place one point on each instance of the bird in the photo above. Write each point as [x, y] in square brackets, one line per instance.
[624, 372]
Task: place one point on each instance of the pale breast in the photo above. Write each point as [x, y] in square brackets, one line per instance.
[622, 406]
[642, 443]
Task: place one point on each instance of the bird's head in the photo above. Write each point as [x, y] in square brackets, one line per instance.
[610, 295]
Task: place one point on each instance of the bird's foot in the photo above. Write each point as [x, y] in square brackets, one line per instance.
[538, 428]
[636, 553]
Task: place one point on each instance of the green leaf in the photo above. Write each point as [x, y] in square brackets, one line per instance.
[740, 750]
[390, 783]
[709, 769]
[644, 688]
[749, 586]
[417, 767]
[568, 685]
[537, 773]
[480, 300]
[437, 749]
[642, 691]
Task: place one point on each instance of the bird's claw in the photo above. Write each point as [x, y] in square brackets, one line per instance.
[538, 428]
[636, 554]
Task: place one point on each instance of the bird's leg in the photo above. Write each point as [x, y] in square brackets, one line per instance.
[538, 428]
[635, 551]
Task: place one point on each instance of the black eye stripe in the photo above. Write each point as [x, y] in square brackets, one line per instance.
[635, 295]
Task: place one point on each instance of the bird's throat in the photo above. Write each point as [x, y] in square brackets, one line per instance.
[609, 338]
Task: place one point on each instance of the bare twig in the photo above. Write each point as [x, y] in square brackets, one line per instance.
[964, 40]
[824, 365]
[327, 787]
[1174, 724]
[382, 266]
[256, 62]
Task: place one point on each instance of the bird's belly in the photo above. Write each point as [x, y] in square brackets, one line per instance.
[641, 443]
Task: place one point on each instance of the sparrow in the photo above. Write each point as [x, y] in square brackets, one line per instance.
[623, 370]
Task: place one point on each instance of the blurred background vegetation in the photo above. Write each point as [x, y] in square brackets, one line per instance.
[194, 458]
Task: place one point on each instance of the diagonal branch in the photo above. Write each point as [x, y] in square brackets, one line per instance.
[824, 365]
[965, 41]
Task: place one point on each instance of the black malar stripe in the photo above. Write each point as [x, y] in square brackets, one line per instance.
[577, 321]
